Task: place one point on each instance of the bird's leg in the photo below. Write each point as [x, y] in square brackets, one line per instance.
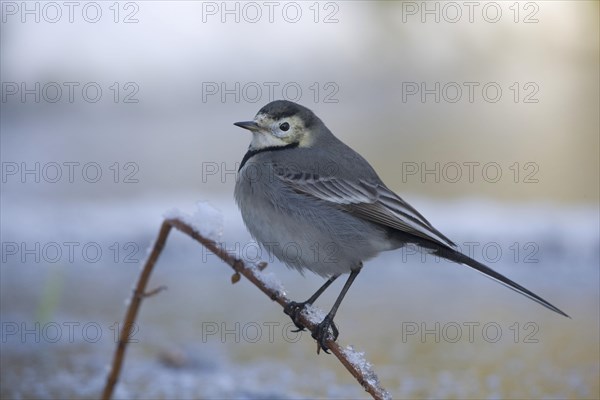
[321, 332]
[293, 309]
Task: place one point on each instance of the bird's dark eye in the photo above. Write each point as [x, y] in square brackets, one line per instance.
[284, 126]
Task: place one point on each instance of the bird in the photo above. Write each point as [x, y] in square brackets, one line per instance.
[316, 204]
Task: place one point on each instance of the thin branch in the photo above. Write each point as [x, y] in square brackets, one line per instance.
[360, 369]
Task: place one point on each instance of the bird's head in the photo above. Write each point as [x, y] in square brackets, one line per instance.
[283, 123]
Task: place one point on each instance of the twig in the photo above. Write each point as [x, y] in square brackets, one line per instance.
[363, 375]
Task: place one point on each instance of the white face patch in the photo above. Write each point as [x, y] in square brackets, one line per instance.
[261, 140]
[276, 133]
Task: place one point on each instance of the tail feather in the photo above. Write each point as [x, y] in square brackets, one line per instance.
[460, 258]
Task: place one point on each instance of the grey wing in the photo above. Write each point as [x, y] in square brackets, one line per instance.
[371, 201]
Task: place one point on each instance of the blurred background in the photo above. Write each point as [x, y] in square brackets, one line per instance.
[482, 115]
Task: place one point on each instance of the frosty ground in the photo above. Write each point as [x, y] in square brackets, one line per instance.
[431, 328]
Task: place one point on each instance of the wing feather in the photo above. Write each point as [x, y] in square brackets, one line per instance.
[371, 201]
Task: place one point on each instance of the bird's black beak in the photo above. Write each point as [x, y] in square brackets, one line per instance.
[250, 125]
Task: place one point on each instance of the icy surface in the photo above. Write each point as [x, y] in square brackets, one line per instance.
[267, 278]
[314, 314]
[206, 220]
[357, 358]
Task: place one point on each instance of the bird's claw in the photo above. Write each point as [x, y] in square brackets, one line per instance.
[294, 309]
[326, 330]
[322, 334]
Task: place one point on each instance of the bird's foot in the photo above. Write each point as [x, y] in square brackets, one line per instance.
[294, 309]
[322, 333]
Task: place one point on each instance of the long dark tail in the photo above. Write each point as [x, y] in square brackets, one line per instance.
[460, 258]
